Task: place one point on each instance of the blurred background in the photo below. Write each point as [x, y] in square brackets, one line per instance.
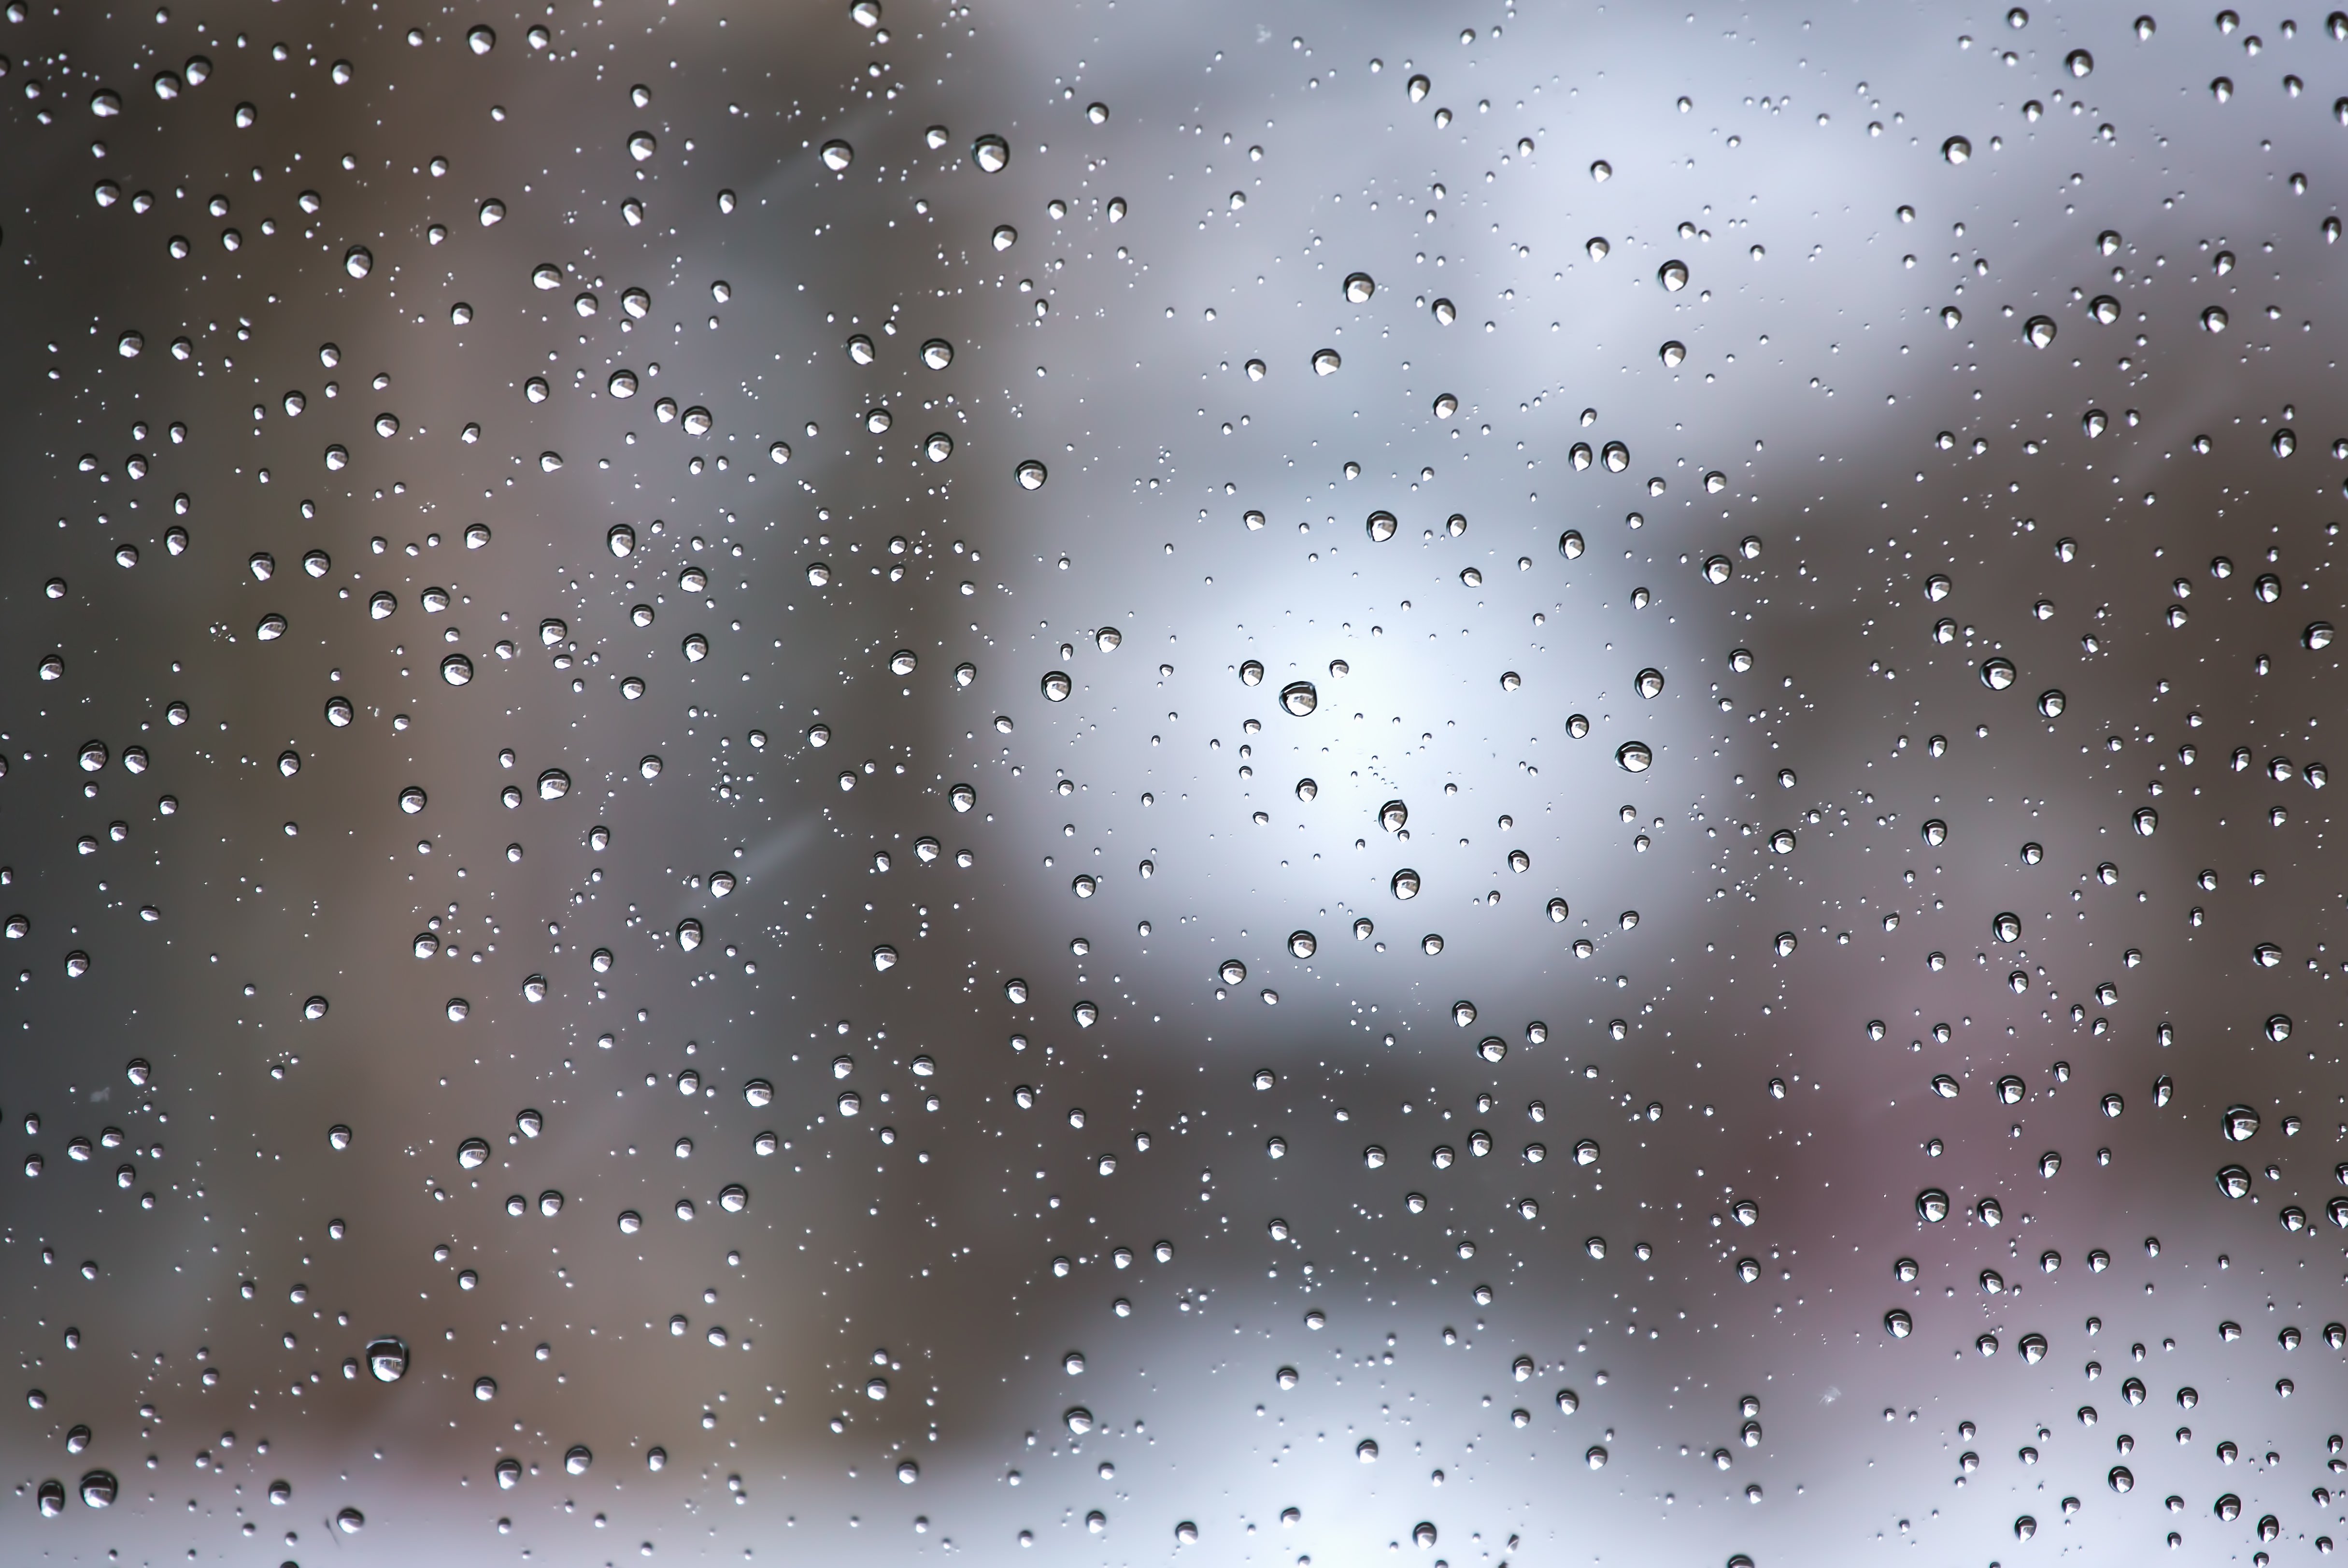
[1103, 782]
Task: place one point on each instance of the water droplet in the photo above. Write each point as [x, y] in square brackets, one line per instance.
[1359, 287]
[1956, 150]
[1633, 756]
[1405, 883]
[358, 261]
[991, 153]
[2214, 319]
[1325, 362]
[1299, 698]
[2039, 330]
[1931, 1205]
[1031, 475]
[1672, 275]
[553, 784]
[621, 541]
[1997, 674]
[2051, 703]
[99, 1489]
[837, 155]
[387, 1358]
[2234, 1181]
[1897, 1324]
[473, 1153]
[456, 669]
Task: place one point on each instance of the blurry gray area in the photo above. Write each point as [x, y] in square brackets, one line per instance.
[837, 633]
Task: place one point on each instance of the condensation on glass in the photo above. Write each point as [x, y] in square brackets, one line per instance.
[1138, 781]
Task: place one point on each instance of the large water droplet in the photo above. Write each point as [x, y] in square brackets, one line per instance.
[387, 1358]
[1633, 756]
[991, 153]
[837, 155]
[1359, 287]
[1956, 150]
[1299, 698]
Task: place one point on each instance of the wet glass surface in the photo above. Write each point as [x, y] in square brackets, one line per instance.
[1114, 782]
